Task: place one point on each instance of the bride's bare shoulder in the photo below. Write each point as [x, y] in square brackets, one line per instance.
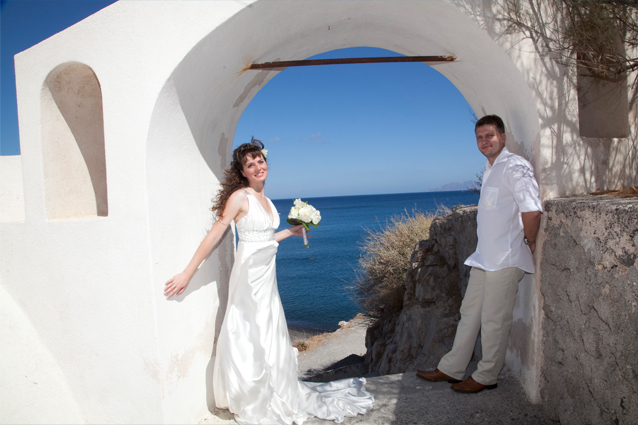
[237, 205]
[238, 196]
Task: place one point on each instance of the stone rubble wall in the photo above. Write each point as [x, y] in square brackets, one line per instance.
[423, 331]
[589, 282]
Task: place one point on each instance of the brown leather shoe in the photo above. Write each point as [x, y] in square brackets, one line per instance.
[471, 386]
[435, 375]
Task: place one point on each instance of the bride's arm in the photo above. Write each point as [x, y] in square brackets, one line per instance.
[236, 204]
[291, 231]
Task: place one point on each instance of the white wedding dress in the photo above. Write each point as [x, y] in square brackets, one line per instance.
[255, 375]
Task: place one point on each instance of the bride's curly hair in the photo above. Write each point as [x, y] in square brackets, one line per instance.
[233, 178]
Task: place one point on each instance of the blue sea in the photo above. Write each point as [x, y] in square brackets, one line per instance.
[314, 282]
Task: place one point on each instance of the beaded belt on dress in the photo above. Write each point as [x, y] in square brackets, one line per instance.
[257, 235]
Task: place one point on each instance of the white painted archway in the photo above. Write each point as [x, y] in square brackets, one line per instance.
[195, 117]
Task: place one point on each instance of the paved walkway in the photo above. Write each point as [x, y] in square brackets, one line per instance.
[347, 342]
[405, 399]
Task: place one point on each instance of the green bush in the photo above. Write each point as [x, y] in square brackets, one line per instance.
[385, 259]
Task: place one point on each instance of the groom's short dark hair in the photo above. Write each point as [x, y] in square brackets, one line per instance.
[491, 120]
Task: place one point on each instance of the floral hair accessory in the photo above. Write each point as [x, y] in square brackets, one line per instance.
[264, 152]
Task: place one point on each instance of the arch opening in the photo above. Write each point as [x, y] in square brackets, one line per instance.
[348, 131]
[334, 124]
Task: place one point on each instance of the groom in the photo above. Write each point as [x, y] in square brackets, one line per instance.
[508, 220]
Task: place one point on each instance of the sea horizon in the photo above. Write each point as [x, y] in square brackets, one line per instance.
[375, 194]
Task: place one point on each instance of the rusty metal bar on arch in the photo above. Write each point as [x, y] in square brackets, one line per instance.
[347, 61]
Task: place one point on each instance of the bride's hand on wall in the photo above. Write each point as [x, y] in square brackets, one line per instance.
[237, 203]
[176, 285]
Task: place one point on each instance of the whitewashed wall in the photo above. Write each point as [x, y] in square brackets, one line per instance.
[11, 189]
[87, 290]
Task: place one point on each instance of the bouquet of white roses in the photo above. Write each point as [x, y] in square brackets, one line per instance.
[304, 214]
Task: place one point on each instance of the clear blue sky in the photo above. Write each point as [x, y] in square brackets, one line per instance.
[330, 130]
[25, 23]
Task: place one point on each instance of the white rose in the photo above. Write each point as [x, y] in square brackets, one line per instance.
[305, 213]
[294, 213]
[299, 203]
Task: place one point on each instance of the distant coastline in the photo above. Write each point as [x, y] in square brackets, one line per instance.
[454, 187]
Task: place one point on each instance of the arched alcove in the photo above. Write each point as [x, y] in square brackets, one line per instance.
[73, 143]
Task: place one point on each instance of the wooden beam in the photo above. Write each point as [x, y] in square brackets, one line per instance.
[346, 61]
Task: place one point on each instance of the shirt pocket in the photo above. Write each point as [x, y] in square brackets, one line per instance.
[489, 196]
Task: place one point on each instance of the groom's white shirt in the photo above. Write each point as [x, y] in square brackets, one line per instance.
[509, 189]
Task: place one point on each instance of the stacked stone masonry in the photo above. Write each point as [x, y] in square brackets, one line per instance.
[423, 331]
[589, 285]
[589, 282]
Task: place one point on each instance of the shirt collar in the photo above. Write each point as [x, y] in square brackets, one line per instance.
[500, 158]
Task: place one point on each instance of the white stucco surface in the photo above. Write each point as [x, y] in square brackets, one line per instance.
[87, 291]
[32, 381]
[11, 189]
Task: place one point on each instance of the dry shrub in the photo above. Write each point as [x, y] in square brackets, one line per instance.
[299, 338]
[300, 346]
[385, 259]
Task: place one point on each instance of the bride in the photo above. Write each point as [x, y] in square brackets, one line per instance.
[255, 374]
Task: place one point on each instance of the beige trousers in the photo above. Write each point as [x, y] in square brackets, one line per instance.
[487, 306]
